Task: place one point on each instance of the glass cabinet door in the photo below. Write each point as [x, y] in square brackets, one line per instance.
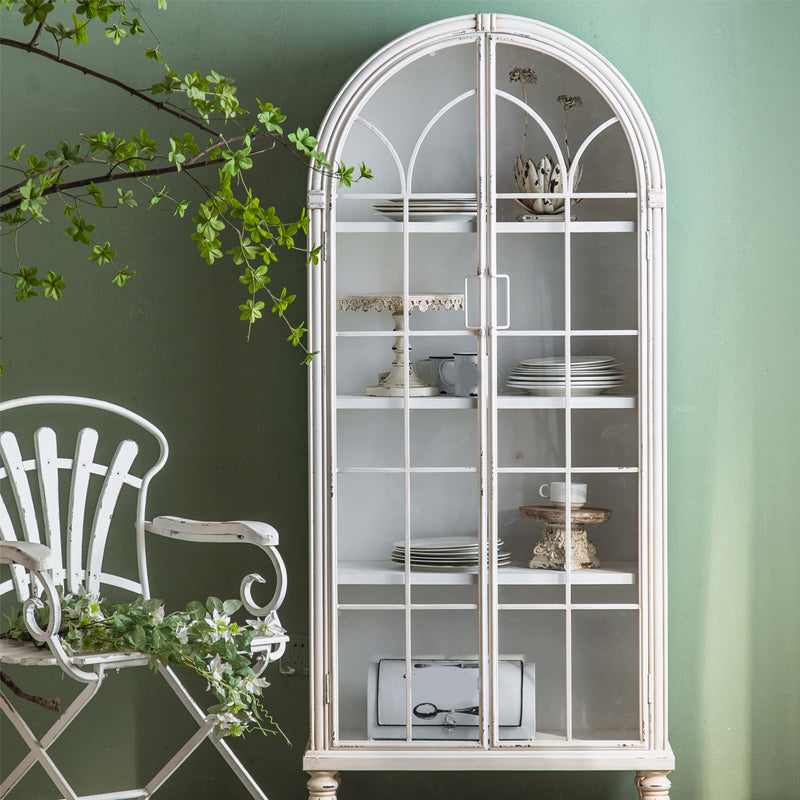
[484, 364]
[407, 519]
[564, 355]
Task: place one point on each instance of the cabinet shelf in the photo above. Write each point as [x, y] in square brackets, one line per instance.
[469, 226]
[380, 573]
[448, 402]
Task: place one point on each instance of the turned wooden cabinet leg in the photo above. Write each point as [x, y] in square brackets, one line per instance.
[653, 784]
[323, 785]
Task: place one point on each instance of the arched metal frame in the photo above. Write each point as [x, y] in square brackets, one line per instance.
[629, 113]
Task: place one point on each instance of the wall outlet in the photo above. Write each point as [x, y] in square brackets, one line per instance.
[295, 658]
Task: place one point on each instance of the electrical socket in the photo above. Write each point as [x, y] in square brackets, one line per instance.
[295, 658]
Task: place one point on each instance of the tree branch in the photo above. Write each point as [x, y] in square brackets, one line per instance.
[30, 47]
[50, 704]
[195, 163]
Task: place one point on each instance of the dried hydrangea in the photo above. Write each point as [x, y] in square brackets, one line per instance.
[523, 75]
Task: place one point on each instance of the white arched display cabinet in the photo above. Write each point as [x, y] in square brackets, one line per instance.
[447, 633]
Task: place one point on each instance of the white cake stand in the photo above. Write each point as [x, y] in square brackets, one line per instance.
[392, 383]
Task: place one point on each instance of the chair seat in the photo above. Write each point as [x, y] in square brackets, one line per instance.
[29, 654]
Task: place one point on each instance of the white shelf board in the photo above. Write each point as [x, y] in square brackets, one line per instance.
[383, 573]
[469, 226]
[458, 226]
[443, 402]
[558, 226]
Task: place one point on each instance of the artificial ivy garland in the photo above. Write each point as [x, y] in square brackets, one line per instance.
[202, 638]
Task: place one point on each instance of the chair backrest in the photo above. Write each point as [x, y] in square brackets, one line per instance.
[35, 505]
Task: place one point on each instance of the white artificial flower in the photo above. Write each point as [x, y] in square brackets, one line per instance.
[217, 668]
[227, 723]
[254, 685]
[157, 616]
[220, 626]
[268, 626]
[182, 634]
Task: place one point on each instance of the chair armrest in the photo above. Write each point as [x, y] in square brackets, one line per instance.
[30, 555]
[190, 530]
[260, 534]
[38, 558]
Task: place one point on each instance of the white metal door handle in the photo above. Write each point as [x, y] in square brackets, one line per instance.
[507, 324]
[467, 279]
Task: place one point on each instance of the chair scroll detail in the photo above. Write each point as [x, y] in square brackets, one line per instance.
[56, 541]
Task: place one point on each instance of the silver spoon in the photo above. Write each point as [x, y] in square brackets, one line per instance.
[429, 710]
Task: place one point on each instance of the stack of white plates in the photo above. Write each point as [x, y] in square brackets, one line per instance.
[589, 375]
[446, 553]
[428, 210]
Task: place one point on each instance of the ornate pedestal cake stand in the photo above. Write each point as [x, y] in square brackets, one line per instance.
[392, 383]
[549, 553]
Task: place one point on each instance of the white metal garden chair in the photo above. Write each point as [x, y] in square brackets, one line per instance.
[52, 538]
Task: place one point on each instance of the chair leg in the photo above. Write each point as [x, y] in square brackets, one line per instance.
[205, 729]
[38, 747]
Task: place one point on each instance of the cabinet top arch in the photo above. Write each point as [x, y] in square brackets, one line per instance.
[508, 29]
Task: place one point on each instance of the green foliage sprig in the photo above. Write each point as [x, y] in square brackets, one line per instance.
[231, 223]
[203, 638]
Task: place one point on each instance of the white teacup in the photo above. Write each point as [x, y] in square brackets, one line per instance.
[556, 492]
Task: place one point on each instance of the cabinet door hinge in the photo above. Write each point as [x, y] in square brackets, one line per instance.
[326, 689]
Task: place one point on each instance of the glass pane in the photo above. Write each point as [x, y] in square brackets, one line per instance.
[445, 438]
[534, 263]
[533, 641]
[605, 680]
[365, 638]
[369, 438]
[445, 522]
[445, 675]
[370, 518]
[531, 438]
[367, 263]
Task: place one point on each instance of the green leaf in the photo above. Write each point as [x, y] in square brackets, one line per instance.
[102, 254]
[64, 154]
[116, 33]
[214, 604]
[139, 638]
[122, 276]
[255, 279]
[282, 302]
[53, 285]
[97, 193]
[196, 609]
[297, 333]
[79, 230]
[231, 606]
[25, 282]
[251, 311]
[125, 198]
[15, 153]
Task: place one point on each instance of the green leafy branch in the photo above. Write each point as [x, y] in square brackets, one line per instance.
[231, 224]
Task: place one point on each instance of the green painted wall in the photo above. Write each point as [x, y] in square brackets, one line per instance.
[718, 79]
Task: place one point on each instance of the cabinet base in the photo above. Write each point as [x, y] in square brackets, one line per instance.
[651, 784]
